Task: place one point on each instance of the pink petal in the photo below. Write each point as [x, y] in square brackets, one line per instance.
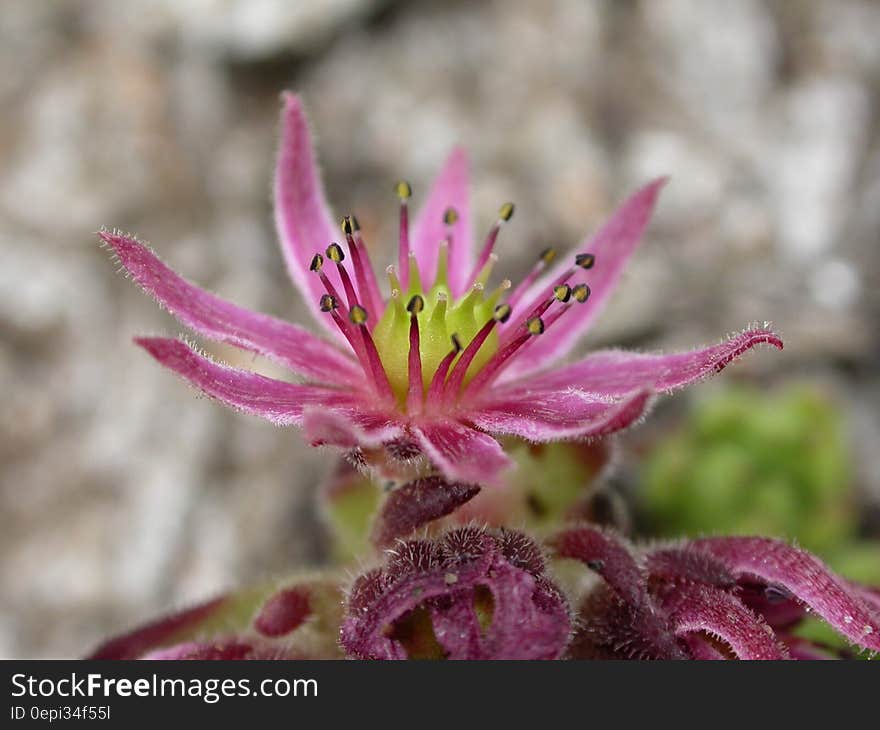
[417, 503]
[349, 427]
[803, 575]
[561, 414]
[225, 649]
[676, 564]
[805, 650]
[460, 452]
[372, 609]
[135, 643]
[613, 245]
[219, 320]
[701, 650]
[705, 609]
[276, 401]
[529, 616]
[615, 372]
[610, 628]
[450, 189]
[607, 554]
[302, 217]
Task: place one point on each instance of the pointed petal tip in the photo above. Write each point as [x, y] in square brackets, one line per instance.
[291, 101]
[459, 156]
[114, 237]
[659, 182]
[648, 194]
[161, 348]
[123, 246]
[748, 338]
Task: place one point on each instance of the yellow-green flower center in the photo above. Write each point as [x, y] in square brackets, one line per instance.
[441, 321]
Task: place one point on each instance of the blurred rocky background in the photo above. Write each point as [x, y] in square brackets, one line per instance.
[122, 495]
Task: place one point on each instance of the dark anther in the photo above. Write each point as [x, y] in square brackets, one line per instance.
[358, 314]
[581, 292]
[502, 313]
[562, 292]
[335, 253]
[535, 326]
[585, 260]
[547, 255]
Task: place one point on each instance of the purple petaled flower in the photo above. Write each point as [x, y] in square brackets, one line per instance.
[447, 361]
[470, 594]
[713, 598]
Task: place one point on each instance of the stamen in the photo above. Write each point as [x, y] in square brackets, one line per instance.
[500, 358]
[335, 253]
[502, 312]
[350, 335]
[543, 324]
[544, 260]
[556, 314]
[535, 326]
[414, 364]
[328, 303]
[457, 376]
[317, 262]
[404, 192]
[505, 213]
[581, 292]
[435, 390]
[450, 216]
[337, 256]
[363, 268]
[358, 315]
[343, 314]
[535, 314]
[585, 260]
[562, 292]
[547, 297]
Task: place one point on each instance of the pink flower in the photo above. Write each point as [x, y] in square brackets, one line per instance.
[448, 361]
[470, 594]
[712, 598]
